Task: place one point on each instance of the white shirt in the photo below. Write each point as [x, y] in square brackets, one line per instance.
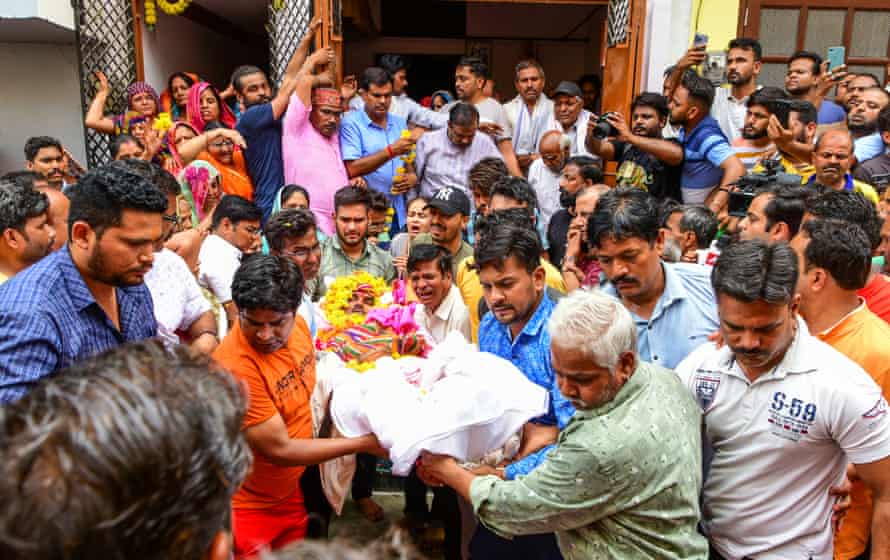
[219, 260]
[528, 128]
[177, 298]
[780, 443]
[490, 111]
[729, 112]
[546, 185]
[577, 132]
[451, 315]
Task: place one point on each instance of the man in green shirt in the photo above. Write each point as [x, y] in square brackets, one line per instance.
[349, 250]
[624, 478]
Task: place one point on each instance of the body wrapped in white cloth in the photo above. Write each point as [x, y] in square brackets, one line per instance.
[457, 401]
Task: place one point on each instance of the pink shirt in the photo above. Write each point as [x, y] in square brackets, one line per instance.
[312, 161]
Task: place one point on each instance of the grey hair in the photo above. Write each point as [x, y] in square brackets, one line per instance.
[136, 452]
[596, 324]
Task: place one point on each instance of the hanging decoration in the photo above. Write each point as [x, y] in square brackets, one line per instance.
[151, 14]
[173, 7]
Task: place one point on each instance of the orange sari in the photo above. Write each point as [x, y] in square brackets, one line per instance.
[234, 178]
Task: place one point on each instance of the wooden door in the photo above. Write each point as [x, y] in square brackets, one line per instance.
[622, 55]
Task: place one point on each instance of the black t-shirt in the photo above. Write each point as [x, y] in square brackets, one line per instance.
[874, 170]
[557, 236]
[262, 132]
[641, 169]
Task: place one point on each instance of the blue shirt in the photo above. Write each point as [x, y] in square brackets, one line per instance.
[683, 318]
[868, 147]
[704, 151]
[361, 137]
[530, 352]
[49, 320]
[262, 132]
[830, 112]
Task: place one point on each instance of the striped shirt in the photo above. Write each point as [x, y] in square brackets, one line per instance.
[440, 163]
[749, 153]
[49, 320]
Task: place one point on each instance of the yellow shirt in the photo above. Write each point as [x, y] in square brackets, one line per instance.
[861, 336]
[467, 281]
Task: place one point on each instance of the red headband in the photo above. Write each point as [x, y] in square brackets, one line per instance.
[326, 96]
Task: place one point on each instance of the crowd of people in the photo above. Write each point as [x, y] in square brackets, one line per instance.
[709, 321]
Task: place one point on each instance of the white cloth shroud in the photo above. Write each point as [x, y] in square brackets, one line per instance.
[465, 404]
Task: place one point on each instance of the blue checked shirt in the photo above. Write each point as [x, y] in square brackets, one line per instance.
[50, 320]
[530, 352]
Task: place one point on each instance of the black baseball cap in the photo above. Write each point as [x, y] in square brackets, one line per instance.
[450, 201]
[567, 88]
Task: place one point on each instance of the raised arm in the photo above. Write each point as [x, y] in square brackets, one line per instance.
[289, 80]
[95, 117]
[307, 78]
[669, 152]
[693, 57]
[190, 149]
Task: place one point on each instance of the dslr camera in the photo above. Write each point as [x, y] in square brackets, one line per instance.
[751, 185]
[603, 128]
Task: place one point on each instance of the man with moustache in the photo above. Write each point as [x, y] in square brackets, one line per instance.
[44, 155]
[645, 159]
[801, 130]
[862, 122]
[833, 159]
[784, 414]
[441, 310]
[802, 83]
[371, 143]
[570, 117]
[624, 230]
[260, 122]
[89, 296]
[866, 171]
[530, 112]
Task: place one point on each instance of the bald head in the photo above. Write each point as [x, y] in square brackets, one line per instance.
[553, 149]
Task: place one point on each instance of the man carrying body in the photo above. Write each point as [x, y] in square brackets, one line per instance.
[445, 156]
[469, 80]
[88, 297]
[624, 230]
[602, 488]
[644, 158]
[25, 233]
[269, 349]
[449, 211]
[833, 159]
[234, 230]
[530, 112]
[783, 413]
[44, 155]
[260, 122]
[349, 250]
[441, 310]
[835, 262]
[371, 143]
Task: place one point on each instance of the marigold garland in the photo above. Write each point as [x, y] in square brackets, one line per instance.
[173, 7]
[337, 298]
[151, 13]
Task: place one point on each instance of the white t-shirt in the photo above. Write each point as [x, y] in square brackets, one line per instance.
[780, 443]
[177, 298]
[219, 262]
[450, 316]
[546, 185]
[489, 111]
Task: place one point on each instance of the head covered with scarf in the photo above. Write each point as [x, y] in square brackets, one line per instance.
[136, 88]
[193, 108]
[196, 181]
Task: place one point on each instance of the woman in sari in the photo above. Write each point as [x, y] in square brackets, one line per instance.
[142, 99]
[177, 135]
[199, 183]
[175, 98]
[223, 148]
[205, 105]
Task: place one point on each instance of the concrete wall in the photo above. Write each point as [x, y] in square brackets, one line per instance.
[42, 99]
[178, 44]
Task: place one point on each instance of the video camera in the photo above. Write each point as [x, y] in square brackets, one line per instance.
[751, 185]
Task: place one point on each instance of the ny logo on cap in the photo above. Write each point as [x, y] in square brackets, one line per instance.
[444, 193]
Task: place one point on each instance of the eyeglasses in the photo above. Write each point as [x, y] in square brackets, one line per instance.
[302, 252]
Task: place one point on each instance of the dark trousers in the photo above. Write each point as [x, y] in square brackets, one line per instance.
[365, 476]
[488, 546]
[317, 506]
